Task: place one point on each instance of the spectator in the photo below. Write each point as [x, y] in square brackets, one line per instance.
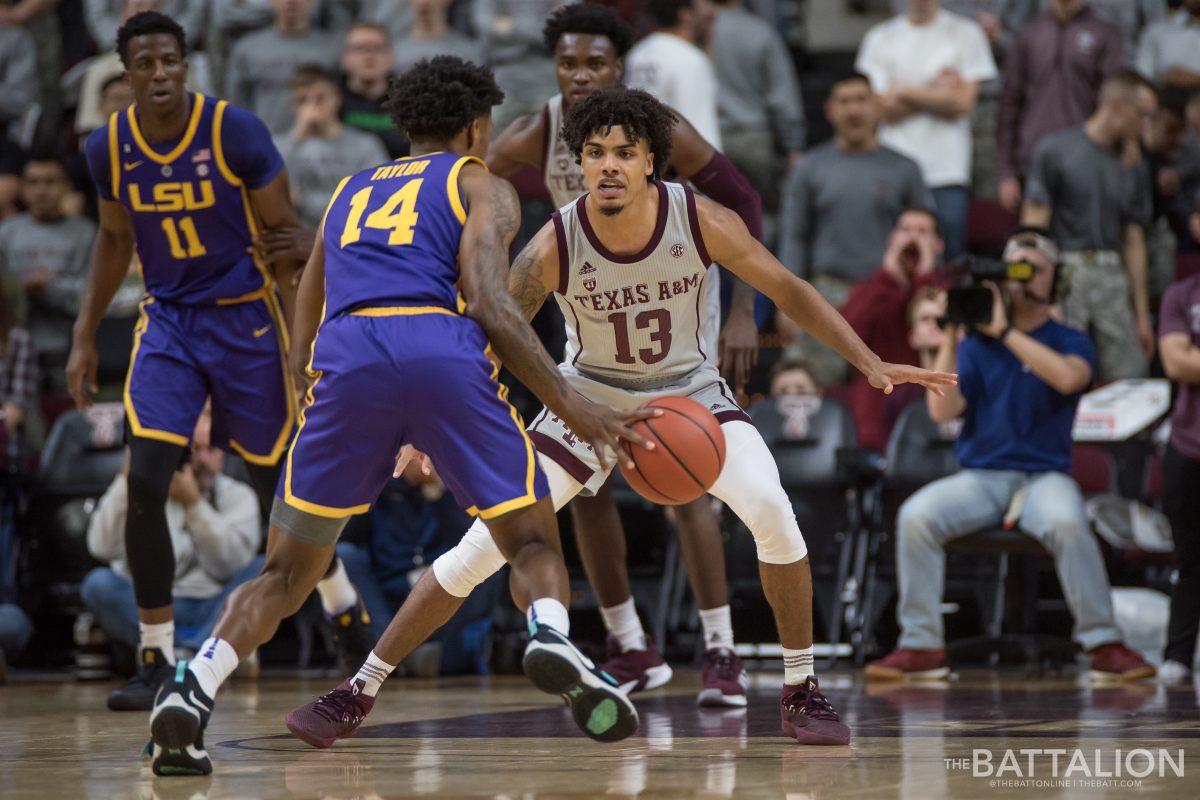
[18, 74]
[215, 535]
[1131, 17]
[320, 151]
[1098, 207]
[40, 19]
[20, 416]
[927, 66]
[511, 32]
[1052, 76]
[103, 17]
[49, 253]
[1173, 166]
[262, 64]
[758, 98]
[367, 62]
[790, 377]
[1020, 379]
[795, 396]
[1169, 52]
[877, 309]
[431, 35]
[669, 65]
[12, 162]
[839, 206]
[114, 95]
[1179, 344]
[414, 521]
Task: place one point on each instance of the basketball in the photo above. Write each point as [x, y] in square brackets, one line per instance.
[689, 450]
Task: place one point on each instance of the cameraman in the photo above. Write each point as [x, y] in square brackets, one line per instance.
[1020, 378]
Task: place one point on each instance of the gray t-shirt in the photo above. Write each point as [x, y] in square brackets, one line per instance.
[316, 166]
[261, 67]
[410, 51]
[756, 79]
[18, 74]
[839, 207]
[1091, 193]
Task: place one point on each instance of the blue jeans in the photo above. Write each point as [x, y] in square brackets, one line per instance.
[461, 637]
[109, 597]
[977, 499]
[951, 204]
[15, 630]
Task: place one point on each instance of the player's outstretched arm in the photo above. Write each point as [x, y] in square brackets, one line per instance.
[520, 144]
[112, 254]
[730, 244]
[309, 302]
[493, 217]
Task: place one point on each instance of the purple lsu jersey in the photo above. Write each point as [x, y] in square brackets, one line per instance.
[395, 361]
[404, 220]
[191, 214]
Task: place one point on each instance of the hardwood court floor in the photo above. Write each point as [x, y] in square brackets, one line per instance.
[499, 738]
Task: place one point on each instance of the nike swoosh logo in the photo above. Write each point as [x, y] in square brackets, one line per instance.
[132, 165]
[197, 702]
[261, 331]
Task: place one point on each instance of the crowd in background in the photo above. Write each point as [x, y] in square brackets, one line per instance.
[958, 121]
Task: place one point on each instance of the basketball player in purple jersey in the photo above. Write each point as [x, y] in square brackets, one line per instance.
[646, 244]
[400, 306]
[589, 42]
[194, 184]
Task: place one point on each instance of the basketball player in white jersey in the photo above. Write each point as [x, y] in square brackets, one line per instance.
[589, 42]
[627, 263]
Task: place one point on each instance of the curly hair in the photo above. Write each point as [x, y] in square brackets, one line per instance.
[591, 19]
[439, 97]
[638, 114]
[148, 23]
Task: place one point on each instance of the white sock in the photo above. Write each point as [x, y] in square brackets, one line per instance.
[797, 665]
[622, 622]
[160, 635]
[718, 627]
[214, 662]
[550, 612]
[373, 673]
[337, 592]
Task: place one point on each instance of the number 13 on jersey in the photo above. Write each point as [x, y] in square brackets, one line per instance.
[398, 214]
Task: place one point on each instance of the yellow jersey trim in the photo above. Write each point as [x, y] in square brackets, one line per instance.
[135, 424]
[219, 148]
[530, 496]
[114, 165]
[400, 311]
[184, 143]
[257, 294]
[456, 204]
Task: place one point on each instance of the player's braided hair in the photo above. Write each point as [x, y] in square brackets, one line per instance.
[147, 23]
[589, 18]
[638, 114]
[439, 97]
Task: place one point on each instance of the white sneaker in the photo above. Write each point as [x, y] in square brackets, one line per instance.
[1172, 673]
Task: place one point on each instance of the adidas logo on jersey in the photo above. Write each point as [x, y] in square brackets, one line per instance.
[586, 269]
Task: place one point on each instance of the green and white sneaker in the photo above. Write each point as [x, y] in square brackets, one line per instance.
[177, 723]
[555, 665]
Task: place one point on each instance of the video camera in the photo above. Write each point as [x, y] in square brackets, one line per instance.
[970, 303]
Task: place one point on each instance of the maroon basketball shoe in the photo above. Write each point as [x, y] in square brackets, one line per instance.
[723, 678]
[808, 716]
[331, 716]
[635, 670]
[905, 663]
[1116, 663]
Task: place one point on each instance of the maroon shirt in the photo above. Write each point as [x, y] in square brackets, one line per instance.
[1180, 313]
[1052, 76]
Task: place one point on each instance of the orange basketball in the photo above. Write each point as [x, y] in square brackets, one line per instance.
[689, 450]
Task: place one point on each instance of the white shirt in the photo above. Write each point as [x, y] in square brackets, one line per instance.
[899, 52]
[680, 75]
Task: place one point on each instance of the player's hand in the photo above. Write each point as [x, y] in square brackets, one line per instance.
[603, 427]
[284, 250]
[81, 372]
[407, 455]
[887, 376]
[738, 348]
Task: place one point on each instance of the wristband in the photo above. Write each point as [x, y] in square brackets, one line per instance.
[1007, 329]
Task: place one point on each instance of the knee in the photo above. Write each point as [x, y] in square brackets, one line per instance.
[772, 522]
[916, 521]
[98, 587]
[281, 580]
[469, 563]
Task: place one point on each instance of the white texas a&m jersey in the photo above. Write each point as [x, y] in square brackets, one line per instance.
[635, 321]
